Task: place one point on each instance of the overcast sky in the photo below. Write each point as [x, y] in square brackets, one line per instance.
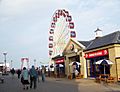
[24, 24]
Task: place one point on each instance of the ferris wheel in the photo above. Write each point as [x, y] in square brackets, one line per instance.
[61, 30]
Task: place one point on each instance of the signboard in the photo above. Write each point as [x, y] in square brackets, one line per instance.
[61, 60]
[96, 53]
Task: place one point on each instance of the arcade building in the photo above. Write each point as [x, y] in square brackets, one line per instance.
[103, 47]
[87, 53]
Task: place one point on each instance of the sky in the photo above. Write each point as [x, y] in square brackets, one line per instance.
[24, 25]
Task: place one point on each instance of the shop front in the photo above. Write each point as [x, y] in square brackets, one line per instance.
[74, 59]
[103, 47]
[60, 67]
[94, 69]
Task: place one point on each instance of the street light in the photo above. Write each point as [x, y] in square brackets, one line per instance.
[34, 62]
[11, 64]
[5, 53]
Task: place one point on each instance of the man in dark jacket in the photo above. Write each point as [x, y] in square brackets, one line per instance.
[33, 77]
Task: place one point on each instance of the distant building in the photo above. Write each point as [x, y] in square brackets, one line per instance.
[2, 66]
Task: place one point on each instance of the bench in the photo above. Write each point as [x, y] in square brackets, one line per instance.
[79, 76]
[70, 77]
[97, 79]
[105, 77]
[110, 79]
[102, 77]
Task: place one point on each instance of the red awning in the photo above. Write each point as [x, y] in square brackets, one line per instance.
[58, 61]
[96, 53]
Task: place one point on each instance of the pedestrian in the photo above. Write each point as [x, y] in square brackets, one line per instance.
[76, 72]
[25, 78]
[48, 72]
[33, 77]
[12, 72]
[43, 73]
[18, 72]
[73, 71]
[38, 73]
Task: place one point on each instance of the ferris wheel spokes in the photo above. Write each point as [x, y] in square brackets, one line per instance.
[62, 29]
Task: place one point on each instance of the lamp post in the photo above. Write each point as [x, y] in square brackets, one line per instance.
[35, 62]
[5, 53]
[11, 64]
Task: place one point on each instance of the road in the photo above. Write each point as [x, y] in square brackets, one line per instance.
[56, 85]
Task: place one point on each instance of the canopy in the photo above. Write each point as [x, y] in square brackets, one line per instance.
[75, 63]
[61, 65]
[104, 62]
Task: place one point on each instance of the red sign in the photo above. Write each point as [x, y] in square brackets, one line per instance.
[96, 54]
[58, 61]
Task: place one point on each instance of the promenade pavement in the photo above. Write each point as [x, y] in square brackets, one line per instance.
[52, 84]
[86, 82]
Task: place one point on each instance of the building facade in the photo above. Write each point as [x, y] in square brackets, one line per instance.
[105, 47]
[87, 53]
[74, 53]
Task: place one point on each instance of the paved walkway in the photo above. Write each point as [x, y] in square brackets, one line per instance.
[86, 82]
[53, 83]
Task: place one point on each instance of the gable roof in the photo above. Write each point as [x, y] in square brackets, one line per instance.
[58, 56]
[75, 41]
[85, 43]
[113, 38]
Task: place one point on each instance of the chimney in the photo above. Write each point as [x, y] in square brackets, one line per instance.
[98, 33]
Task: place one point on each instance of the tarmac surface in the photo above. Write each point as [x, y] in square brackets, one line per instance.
[13, 84]
[114, 87]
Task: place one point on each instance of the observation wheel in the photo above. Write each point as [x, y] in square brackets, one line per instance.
[61, 30]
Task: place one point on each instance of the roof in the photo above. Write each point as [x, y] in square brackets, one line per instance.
[113, 38]
[76, 42]
[58, 56]
[85, 43]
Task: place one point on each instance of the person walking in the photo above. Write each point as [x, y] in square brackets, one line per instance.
[12, 72]
[25, 78]
[73, 71]
[33, 77]
[48, 72]
[18, 72]
[38, 73]
[43, 73]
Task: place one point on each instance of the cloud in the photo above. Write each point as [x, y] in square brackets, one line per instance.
[15, 6]
[90, 14]
[24, 24]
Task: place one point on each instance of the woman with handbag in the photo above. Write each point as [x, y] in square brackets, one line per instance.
[25, 78]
